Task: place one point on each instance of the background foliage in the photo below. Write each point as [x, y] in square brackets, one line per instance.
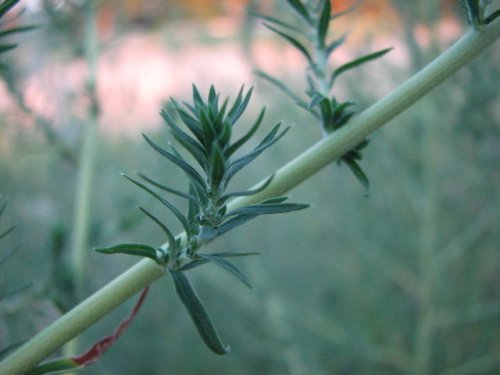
[342, 287]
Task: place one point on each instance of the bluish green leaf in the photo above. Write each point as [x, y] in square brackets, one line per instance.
[172, 243]
[358, 172]
[283, 87]
[192, 124]
[239, 106]
[132, 249]
[189, 197]
[201, 261]
[240, 142]
[19, 29]
[234, 222]
[355, 63]
[6, 5]
[266, 183]
[335, 44]
[492, 17]
[281, 23]
[213, 98]
[267, 142]
[189, 143]
[217, 166]
[300, 9]
[267, 209]
[182, 219]
[197, 99]
[198, 313]
[293, 41]
[324, 21]
[6, 232]
[192, 174]
[228, 266]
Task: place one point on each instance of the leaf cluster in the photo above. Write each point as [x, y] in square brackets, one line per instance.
[206, 136]
[6, 6]
[476, 11]
[311, 40]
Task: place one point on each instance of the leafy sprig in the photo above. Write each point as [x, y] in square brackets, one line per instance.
[5, 7]
[477, 10]
[311, 40]
[214, 161]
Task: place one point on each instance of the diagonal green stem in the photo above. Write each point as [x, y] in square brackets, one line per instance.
[289, 176]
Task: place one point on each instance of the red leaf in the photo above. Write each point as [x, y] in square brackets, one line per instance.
[98, 349]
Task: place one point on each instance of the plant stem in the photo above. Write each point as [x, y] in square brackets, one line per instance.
[289, 176]
[88, 154]
[429, 231]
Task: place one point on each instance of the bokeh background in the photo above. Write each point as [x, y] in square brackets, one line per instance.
[406, 280]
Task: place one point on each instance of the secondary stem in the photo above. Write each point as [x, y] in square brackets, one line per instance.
[88, 154]
[289, 176]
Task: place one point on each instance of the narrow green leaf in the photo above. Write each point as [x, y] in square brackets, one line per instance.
[6, 232]
[357, 62]
[267, 209]
[189, 197]
[248, 192]
[240, 142]
[300, 9]
[335, 44]
[360, 175]
[283, 87]
[213, 98]
[6, 5]
[348, 10]
[281, 23]
[189, 143]
[234, 222]
[209, 133]
[182, 219]
[491, 17]
[193, 207]
[201, 261]
[191, 123]
[19, 29]
[192, 174]
[172, 244]
[293, 42]
[324, 21]
[217, 166]
[228, 266]
[7, 47]
[197, 99]
[239, 106]
[267, 142]
[132, 249]
[198, 313]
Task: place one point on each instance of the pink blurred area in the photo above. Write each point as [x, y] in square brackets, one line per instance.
[139, 69]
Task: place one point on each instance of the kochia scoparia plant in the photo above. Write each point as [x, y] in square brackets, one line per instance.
[311, 40]
[208, 140]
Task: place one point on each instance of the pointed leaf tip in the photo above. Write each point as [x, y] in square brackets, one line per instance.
[198, 313]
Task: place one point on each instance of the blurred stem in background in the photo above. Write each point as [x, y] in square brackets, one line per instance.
[85, 179]
[432, 143]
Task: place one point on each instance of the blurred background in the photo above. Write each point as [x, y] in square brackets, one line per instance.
[406, 280]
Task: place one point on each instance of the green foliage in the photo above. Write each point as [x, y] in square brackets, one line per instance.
[208, 140]
[476, 11]
[6, 6]
[311, 40]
